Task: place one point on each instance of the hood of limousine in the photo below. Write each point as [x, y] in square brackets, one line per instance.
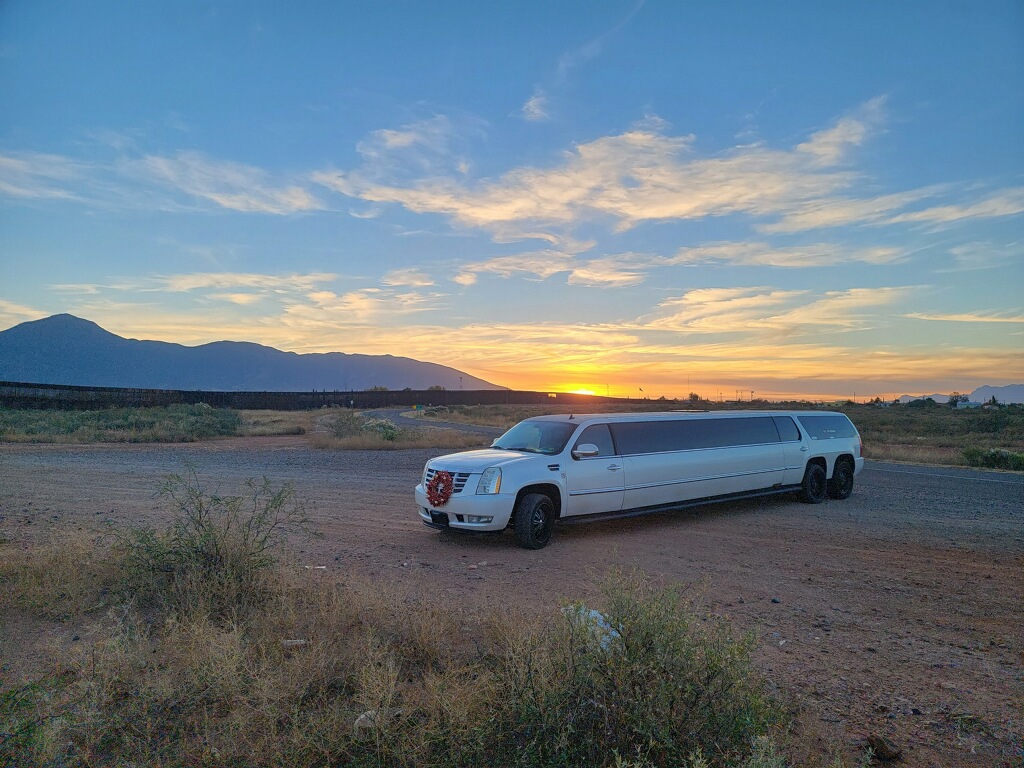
[478, 461]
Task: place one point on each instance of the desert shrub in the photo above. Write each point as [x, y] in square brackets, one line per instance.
[347, 424]
[994, 458]
[213, 555]
[651, 678]
[385, 429]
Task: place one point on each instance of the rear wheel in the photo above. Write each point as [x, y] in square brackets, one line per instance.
[812, 489]
[841, 484]
[535, 517]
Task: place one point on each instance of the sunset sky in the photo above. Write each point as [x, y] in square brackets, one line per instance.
[792, 198]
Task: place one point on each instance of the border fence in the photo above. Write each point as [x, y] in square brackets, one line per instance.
[71, 397]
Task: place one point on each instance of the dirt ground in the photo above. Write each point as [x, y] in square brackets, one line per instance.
[896, 613]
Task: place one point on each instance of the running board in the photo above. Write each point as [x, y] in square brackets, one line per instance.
[577, 519]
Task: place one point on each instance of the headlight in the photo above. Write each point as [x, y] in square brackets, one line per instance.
[490, 481]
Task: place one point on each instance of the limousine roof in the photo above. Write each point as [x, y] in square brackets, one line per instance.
[671, 415]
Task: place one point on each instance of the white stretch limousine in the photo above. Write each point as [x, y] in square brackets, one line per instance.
[552, 467]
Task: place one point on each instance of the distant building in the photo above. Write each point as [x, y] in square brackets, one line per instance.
[962, 404]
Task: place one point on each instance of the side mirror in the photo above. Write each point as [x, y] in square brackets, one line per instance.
[585, 451]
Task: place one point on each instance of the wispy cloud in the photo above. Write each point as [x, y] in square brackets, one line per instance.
[763, 254]
[640, 175]
[1006, 202]
[984, 255]
[39, 176]
[274, 283]
[230, 185]
[369, 305]
[740, 311]
[12, 313]
[411, 276]
[832, 145]
[173, 183]
[537, 265]
[969, 317]
[239, 288]
[537, 107]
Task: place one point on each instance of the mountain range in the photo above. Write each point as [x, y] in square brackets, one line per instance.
[64, 349]
[1011, 393]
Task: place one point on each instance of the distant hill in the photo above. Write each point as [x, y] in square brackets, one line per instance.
[1011, 393]
[65, 349]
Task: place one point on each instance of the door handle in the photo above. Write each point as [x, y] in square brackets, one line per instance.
[614, 467]
[803, 448]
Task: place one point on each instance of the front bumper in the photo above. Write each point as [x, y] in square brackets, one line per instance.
[460, 507]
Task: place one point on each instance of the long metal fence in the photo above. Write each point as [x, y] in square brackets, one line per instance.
[70, 397]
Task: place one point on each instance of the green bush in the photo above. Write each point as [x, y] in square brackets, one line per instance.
[650, 679]
[382, 427]
[348, 424]
[994, 458]
[212, 557]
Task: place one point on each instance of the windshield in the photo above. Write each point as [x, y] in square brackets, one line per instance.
[547, 437]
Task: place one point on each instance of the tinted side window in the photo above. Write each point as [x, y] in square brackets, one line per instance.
[720, 433]
[788, 431]
[597, 434]
[654, 436]
[661, 436]
[828, 426]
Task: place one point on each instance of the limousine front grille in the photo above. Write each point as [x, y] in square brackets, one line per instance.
[459, 479]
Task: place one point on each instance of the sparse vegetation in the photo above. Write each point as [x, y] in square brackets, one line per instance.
[351, 430]
[167, 424]
[933, 434]
[265, 423]
[237, 659]
[213, 556]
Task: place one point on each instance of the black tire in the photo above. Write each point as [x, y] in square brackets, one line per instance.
[535, 517]
[841, 484]
[813, 488]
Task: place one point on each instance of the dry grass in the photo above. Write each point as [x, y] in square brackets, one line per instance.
[426, 438]
[66, 576]
[654, 681]
[266, 423]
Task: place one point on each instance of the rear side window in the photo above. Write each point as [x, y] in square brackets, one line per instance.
[661, 436]
[788, 431]
[828, 426]
[597, 434]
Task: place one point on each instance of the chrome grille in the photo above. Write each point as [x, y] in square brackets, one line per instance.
[458, 478]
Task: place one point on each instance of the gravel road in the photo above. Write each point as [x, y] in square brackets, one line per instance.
[896, 612]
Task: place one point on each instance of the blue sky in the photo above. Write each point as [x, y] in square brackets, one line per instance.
[792, 198]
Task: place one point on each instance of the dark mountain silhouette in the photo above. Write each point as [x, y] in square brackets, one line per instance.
[1011, 393]
[65, 349]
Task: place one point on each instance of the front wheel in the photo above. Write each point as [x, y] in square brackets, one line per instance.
[535, 517]
[812, 489]
[841, 484]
